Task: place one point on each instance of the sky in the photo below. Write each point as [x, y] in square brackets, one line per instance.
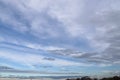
[61, 36]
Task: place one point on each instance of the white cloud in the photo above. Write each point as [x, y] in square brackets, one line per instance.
[46, 48]
[68, 12]
[38, 5]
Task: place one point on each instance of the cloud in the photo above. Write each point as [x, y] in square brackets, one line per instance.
[43, 66]
[108, 28]
[48, 58]
[29, 59]
[11, 18]
[89, 58]
[47, 21]
[38, 46]
[79, 29]
[6, 68]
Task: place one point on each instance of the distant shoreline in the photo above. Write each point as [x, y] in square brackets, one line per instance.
[60, 78]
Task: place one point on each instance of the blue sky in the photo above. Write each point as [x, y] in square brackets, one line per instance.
[61, 36]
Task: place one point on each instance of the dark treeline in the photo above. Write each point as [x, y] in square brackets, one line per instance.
[88, 78]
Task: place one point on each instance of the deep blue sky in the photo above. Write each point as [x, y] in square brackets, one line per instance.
[81, 36]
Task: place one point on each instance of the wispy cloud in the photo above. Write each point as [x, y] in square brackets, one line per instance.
[29, 59]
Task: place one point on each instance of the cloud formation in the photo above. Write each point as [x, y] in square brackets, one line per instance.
[67, 32]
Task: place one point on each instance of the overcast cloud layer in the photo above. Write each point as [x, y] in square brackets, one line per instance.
[55, 34]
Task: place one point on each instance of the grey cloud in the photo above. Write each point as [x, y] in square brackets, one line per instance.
[48, 58]
[107, 24]
[72, 53]
[86, 55]
[94, 58]
[6, 68]
[64, 52]
[42, 66]
[14, 19]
